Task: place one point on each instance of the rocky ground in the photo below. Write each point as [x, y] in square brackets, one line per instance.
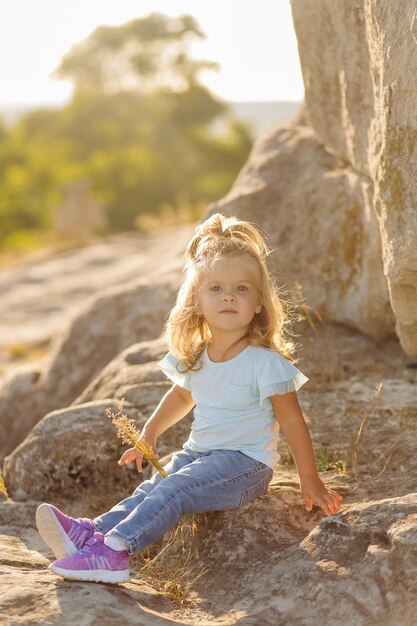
[268, 563]
[44, 292]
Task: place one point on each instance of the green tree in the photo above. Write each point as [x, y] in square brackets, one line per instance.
[140, 128]
[146, 54]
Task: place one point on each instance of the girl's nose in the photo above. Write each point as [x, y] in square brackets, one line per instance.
[229, 295]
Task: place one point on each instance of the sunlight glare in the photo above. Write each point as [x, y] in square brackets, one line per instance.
[255, 45]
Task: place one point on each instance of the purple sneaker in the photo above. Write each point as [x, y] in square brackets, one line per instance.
[64, 535]
[95, 562]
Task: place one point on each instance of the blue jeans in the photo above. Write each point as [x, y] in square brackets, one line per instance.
[196, 482]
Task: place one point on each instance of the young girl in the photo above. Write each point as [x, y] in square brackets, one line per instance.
[228, 360]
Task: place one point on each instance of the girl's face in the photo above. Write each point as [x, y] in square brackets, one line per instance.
[229, 296]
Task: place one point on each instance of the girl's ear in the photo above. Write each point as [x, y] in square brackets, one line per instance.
[258, 308]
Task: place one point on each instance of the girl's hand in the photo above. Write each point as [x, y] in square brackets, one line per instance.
[315, 492]
[133, 454]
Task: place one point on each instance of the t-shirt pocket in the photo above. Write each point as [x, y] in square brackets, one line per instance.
[238, 396]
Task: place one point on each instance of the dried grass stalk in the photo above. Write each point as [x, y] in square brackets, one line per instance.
[129, 434]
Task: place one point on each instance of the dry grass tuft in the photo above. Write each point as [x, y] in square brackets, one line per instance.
[171, 569]
[3, 490]
[321, 346]
[369, 409]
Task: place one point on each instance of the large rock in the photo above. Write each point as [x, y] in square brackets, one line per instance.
[361, 101]
[72, 453]
[269, 563]
[125, 375]
[355, 568]
[111, 323]
[69, 454]
[336, 190]
[318, 216]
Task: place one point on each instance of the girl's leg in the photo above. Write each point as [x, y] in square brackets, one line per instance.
[66, 535]
[120, 511]
[217, 480]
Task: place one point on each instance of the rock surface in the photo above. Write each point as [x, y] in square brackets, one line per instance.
[70, 279]
[361, 100]
[30, 594]
[128, 372]
[263, 566]
[116, 318]
[72, 453]
[337, 189]
[318, 218]
[69, 454]
[355, 568]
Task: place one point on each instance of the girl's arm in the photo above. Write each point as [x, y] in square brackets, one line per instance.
[291, 420]
[175, 405]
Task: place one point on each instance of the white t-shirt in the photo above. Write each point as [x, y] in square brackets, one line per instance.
[232, 407]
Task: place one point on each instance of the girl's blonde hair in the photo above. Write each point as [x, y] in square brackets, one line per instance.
[218, 238]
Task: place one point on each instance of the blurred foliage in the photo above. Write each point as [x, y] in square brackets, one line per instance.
[146, 54]
[140, 129]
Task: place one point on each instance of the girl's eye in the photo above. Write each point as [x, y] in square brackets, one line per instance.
[215, 288]
[241, 288]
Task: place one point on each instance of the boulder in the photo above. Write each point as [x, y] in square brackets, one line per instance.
[361, 102]
[355, 568]
[125, 374]
[69, 449]
[318, 215]
[335, 189]
[267, 563]
[115, 320]
[71, 454]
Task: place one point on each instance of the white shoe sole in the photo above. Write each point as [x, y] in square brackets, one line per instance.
[53, 534]
[97, 575]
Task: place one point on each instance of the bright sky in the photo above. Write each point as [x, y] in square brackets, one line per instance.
[253, 41]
